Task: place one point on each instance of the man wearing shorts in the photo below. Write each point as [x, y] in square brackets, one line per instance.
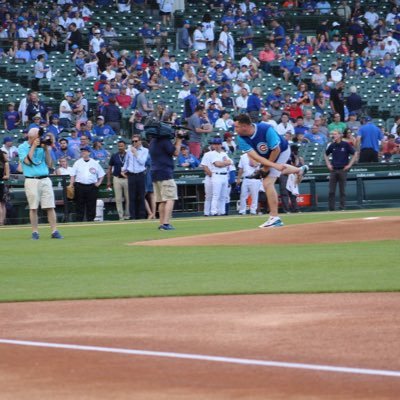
[264, 145]
[162, 151]
[36, 160]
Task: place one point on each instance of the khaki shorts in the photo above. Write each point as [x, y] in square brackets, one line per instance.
[165, 190]
[39, 191]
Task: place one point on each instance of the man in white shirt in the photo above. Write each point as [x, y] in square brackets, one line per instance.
[219, 179]
[241, 101]
[285, 127]
[250, 186]
[25, 31]
[86, 177]
[391, 44]
[185, 91]
[96, 42]
[199, 41]
[372, 17]
[246, 6]
[205, 163]
[224, 122]
[64, 20]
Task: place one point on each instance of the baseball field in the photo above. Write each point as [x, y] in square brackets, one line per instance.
[216, 309]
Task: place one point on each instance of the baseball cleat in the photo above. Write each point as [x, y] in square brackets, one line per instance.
[272, 222]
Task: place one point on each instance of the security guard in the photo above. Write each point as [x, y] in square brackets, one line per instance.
[338, 167]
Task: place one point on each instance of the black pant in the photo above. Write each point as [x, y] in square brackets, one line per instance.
[137, 191]
[337, 176]
[35, 84]
[85, 201]
[368, 155]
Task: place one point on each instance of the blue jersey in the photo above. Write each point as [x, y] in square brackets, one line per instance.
[263, 141]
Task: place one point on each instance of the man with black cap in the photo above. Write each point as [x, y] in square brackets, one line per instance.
[86, 178]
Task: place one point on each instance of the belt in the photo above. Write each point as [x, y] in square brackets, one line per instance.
[37, 177]
[135, 173]
[85, 184]
[220, 173]
[249, 177]
[338, 168]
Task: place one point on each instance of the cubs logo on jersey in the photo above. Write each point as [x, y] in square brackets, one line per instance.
[262, 148]
[93, 171]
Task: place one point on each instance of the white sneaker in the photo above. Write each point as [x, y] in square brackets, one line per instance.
[272, 222]
[303, 170]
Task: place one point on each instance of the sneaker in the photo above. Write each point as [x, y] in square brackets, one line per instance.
[56, 235]
[272, 222]
[35, 236]
[166, 227]
[303, 170]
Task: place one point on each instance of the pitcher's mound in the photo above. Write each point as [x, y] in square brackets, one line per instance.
[350, 230]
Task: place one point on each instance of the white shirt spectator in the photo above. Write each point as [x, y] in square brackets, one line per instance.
[183, 93]
[392, 46]
[90, 69]
[241, 102]
[95, 44]
[66, 107]
[166, 5]
[397, 70]
[85, 12]
[109, 74]
[64, 21]
[198, 40]
[224, 124]
[25, 32]
[231, 74]
[80, 23]
[208, 30]
[372, 19]
[237, 88]
[246, 7]
[283, 129]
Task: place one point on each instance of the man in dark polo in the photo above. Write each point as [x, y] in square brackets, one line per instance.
[338, 167]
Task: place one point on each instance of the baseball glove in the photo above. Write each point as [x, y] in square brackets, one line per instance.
[70, 192]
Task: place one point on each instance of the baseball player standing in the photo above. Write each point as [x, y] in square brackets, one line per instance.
[250, 186]
[219, 179]
[206, 165]
[264, 145]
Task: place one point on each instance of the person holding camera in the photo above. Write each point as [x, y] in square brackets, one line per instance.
[35, 156]
[162, 151]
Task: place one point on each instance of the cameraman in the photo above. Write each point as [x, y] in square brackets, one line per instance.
[162, 151]
[35, 156]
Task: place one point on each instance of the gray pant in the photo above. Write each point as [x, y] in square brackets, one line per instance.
[337, 176]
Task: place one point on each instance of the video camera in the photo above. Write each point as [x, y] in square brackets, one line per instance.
[45, 140]
[157, 129]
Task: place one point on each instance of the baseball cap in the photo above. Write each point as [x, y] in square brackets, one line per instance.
[37, 116]
[86, 148]
[216, 141]
[103, 77]
[11, 103]
[69, 94]
[186, 84]
[97, 31]
[78, 90]
[97, 140]
[193, 90]
[7, 139]
[74, 46]
[55, 116]
[186, 21]
[352, 113]
[359, 35]
[103, 45]
[100, 117]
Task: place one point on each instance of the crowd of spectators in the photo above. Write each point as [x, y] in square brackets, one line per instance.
[218, 77]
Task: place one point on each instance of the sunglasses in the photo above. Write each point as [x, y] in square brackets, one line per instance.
[135, 141]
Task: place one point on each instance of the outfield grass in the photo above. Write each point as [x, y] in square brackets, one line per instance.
[94, 261]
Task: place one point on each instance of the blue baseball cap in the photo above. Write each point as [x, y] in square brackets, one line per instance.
[86, 148]
[7, 139]
[216, 141]
[70, 94]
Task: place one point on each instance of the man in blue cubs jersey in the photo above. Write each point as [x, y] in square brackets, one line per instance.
[265, 146]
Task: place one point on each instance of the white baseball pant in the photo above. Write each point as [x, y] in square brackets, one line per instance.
[249, 187]
[219, 189]
[207, 195]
